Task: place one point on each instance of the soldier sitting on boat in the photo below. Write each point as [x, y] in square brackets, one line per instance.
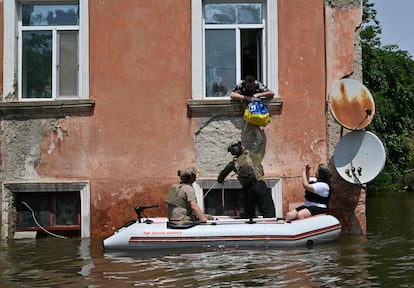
[181, 200]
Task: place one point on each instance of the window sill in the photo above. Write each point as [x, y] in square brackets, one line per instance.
[41, 109]
[228, 107]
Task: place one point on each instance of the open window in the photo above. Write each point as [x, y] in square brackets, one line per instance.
[233, 44]
[226, 199]
[231, 39]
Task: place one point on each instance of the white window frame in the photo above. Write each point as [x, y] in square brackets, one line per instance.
[12, 49]
[270, 41]
[9, 208]
[274, 184]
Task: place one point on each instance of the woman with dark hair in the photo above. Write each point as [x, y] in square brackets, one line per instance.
[316, 193]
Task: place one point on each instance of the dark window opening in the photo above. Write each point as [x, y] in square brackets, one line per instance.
[221, 58]
[223, 202]
[56, 212]
[251, 53]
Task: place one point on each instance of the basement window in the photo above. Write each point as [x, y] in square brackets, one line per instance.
[223, 202]
[57, 212]
[61, 208]
[227, 199]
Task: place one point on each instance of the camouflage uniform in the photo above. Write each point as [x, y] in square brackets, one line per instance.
[250, 174]
[178, 200]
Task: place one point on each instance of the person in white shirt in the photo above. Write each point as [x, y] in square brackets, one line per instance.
[316, 193]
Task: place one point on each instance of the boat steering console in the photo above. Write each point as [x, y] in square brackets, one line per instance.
[140, 213]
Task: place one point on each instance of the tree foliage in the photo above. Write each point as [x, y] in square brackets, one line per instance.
[388, 73]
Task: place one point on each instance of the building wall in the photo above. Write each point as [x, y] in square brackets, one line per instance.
[140, 133]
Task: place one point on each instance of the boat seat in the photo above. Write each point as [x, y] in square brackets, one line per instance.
[180, 225]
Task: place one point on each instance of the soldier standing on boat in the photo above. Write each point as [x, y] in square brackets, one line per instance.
[181, 200]
[250, 174]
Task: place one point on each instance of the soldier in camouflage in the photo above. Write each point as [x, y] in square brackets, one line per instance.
[250, 174]
[181, 200]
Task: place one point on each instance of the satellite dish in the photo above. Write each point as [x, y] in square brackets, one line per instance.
[351, 104]
[359, 157]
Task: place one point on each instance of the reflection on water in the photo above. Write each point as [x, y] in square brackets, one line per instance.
[384, 258]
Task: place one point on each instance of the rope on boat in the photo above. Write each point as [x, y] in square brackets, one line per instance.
[211, 188]
[208, 191]
[37, 223]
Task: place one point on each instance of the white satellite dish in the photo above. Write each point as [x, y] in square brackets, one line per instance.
[351, 104]
[359, 157]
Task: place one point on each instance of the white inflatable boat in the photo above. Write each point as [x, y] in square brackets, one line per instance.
[222, 232]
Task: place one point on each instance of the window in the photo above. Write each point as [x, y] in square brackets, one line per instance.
[52, 211]
[233, 44]
[46, 47]
[62, 207]
[236, 38]
[49, 51]
[227, 199]
[223, 202]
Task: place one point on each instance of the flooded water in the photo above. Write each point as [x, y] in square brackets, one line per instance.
[382, 258]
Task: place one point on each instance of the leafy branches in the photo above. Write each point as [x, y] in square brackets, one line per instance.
[388, 72]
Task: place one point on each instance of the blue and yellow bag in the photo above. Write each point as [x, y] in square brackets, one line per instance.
[256, 113]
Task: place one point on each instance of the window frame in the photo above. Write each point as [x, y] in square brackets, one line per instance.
[50, 198]
[270, 73]
[12, 49]
[56, 32]
[201, 186]
[8, 189]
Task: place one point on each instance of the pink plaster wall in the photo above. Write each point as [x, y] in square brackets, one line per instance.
[317, 46]
[1, 42]
[140, 78]
[139, 134]
[300, 130]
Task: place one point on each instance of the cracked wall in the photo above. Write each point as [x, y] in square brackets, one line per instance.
[21, 143]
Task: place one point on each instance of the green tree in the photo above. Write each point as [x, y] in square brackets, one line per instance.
[388, 73]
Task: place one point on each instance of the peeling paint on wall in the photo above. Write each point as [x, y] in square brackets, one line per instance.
[343, 3]
[21, 143]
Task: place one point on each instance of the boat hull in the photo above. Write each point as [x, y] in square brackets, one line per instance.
[225, 232]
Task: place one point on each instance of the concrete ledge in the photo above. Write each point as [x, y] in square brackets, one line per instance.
[48, 108]
[227, 107]
[25, 235]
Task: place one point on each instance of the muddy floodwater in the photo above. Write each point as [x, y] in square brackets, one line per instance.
[382, 258]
